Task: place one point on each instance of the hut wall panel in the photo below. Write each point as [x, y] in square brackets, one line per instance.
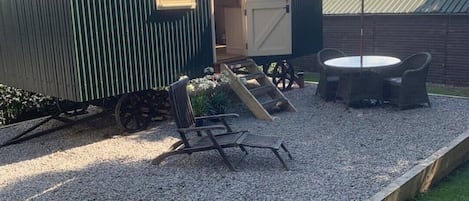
[86, 50]
[35, 47]
[126, 45]
[444, 36]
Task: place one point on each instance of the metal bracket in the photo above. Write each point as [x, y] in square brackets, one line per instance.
[67, 123]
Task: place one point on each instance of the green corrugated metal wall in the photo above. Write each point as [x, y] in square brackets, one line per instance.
[126, 46]
[91, 49]
[85, 50]
[36, 48]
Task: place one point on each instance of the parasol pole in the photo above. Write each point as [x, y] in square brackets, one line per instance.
[361, 32]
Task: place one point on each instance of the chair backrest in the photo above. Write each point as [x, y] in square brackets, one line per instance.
[328, 53]
[419, 60]
[181, 104]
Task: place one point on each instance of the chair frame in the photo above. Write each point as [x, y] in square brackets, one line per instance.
[412, 88]
[327, 89]
[203, 138]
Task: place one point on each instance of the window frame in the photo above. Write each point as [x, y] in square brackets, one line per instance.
[175, 4]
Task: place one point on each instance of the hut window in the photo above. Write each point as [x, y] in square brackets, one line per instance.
[175, 4]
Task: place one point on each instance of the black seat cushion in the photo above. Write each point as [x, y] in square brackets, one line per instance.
[332, 78]
[394, 81]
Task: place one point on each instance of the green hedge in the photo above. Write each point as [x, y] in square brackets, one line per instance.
[18, 105]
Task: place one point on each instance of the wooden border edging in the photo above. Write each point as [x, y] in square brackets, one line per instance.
[449, 96]
[427, 172]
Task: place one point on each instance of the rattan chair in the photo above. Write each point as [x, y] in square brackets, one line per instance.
[357, 86]
[212, 137]
[410, 88]
[328, 79]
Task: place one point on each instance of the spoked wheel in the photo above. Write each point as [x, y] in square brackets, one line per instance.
[283, 75]
[132, 112]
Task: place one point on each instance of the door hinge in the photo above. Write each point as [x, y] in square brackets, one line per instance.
[287, 8]
[246, 45]
[245, 12]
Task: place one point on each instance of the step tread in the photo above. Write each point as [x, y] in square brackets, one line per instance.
[262, 90]
[273, 102]
[253, 76]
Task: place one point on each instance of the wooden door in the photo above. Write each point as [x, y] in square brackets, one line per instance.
[268, 27]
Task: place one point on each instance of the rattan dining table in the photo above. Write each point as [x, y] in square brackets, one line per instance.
[371, 62]
[361, 79]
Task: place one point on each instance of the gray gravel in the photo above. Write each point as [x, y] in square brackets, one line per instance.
[339, 155]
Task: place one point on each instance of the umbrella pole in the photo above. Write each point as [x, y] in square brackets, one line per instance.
[361, 32]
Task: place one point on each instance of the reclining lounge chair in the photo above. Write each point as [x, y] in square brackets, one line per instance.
[203, 138]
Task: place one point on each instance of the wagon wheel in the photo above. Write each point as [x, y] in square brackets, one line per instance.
[132, 112]
[283, 75]
[158, 101]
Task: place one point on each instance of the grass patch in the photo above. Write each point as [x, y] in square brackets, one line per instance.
[311, 77]
[432, 88]
[453, 187]
[448, 90]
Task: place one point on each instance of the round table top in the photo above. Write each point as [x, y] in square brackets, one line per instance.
[368, 61]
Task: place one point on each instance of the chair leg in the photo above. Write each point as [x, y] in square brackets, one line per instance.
[225, 159]
[161, 157]
[176, 145]
[286, 150]
[280, 158]
[243, 149]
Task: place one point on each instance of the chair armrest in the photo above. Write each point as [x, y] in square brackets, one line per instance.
[413, 79]
[413, 72]
[218, 116]
[201, 128]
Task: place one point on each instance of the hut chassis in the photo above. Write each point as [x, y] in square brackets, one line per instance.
[113, 53]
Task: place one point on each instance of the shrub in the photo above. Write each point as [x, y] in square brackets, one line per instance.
[17, 104]
[209, 94]
[199, 104]
[218, 101]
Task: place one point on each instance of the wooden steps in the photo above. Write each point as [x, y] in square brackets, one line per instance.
[253, 76]
[272, 98]
[261, 90]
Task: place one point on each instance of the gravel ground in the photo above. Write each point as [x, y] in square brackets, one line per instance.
[339, 155]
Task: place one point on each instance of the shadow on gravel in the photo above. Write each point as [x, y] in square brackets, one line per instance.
[80, 134]
[93, 182]
[199, 177]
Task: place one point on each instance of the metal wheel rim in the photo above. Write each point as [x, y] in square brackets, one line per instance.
[131, 113]
[283, 75]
